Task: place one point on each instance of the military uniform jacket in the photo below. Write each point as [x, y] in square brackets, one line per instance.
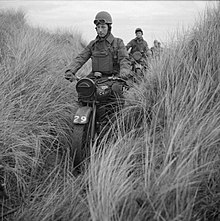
[137, 44]
[108, 55]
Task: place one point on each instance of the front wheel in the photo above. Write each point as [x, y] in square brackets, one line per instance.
[79, 150]
[139, 72]
[139, 75]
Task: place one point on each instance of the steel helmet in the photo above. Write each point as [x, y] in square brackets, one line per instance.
[149, 53]
[103, 17]
[138, 29]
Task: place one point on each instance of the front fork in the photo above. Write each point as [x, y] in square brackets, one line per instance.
[87, 115]
[93, 123]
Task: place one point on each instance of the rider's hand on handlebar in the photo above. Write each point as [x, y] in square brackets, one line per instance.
[70, 76]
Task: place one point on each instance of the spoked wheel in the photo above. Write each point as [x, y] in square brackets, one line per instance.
[139, 76]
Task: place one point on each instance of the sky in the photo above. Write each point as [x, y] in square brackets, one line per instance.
[158, 19]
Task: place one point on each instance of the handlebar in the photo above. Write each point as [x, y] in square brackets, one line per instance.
[117, 78]
[103, 79]
[114, 78]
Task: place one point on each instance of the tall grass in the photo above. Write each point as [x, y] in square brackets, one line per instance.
[162, 162]
[180, 150]
[37, 104]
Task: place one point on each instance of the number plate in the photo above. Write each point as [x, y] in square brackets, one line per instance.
[79, 119]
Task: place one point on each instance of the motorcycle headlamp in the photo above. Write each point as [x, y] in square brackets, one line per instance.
[137, 55]
[85, 87]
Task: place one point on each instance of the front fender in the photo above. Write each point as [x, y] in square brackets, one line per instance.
[82, 115]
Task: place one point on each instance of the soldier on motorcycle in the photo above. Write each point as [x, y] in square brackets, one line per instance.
[156, 49]
[108, 53]
[138, 44]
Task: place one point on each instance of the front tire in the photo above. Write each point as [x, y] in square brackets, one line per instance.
[139, 76]
[79, 148]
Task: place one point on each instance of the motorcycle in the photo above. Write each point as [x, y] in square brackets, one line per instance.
[93, 95]
[139, 66]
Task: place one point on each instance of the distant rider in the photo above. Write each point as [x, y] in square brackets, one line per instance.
[156, 49]
[138, 44]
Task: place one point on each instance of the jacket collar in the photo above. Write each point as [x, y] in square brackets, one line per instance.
[109, 38]
[139, 39]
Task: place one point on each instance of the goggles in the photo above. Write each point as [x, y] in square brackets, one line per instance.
[100, 21]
